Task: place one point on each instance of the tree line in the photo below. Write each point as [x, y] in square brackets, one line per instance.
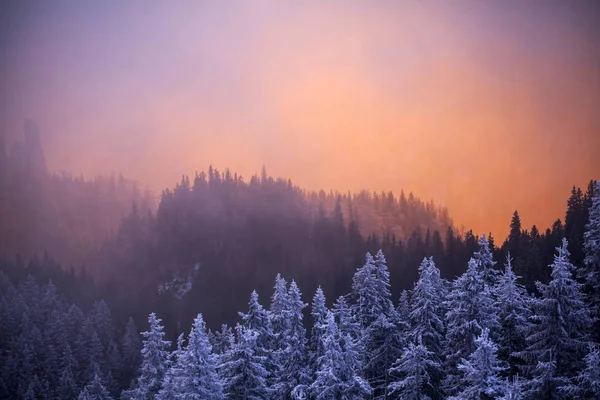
[479, 336]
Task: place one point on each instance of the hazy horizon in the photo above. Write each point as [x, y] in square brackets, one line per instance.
[484, 108]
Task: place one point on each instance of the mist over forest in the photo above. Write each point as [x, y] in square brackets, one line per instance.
[352, 200]
[100, 254]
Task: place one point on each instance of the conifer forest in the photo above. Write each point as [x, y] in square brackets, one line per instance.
[261, 290]
[299, 200]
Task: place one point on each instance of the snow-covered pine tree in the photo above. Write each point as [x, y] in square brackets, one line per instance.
[486, 263]
[404, 309]
[293, 361]
[258, 320]
[586, 384]
[131, 347]
[95, 390]
[155, 362]
[470, 310]
[222, 340]
[590, 272]
[170, 386]
[558, 336]
[196, 367]
[481, 371]
[317, 335]
[242, 372]
[337, 376]
[427, 319]
[513, 389]
[381, 337]
[280, 326]
[512, 301]
[412, 373]
[345, 319]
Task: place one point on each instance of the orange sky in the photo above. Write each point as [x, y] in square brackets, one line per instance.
[484, 107]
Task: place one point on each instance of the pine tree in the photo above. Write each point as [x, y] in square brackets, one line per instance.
[222, 340]
[294, 363]
[170, 389]
[558, 336]
[512, 302]
[481, 371]
[590, 273]
[258, 320]
[381, 336]
[316, 344]
[513, 390]
[155, 362]
[131, 346]
[196, 375]
[427, 319]
[486, 263]
[95, 390]
[586, 384]
[337, 376]
[67, 389]
[413, 373]
[470, 310]
[242, 371]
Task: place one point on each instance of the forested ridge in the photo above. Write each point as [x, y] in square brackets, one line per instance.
[435, 313]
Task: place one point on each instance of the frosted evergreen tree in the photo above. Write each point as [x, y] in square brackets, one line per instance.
[590, 273]
[345, 319]
[486, 263]
[427, 319]
[481, 371]
[95, 390]
[170, 387]
[279, 302]
[512, 301]
[67, 387]
[513, 390]
[258, 320]
[412, 372]
[294, 363]
[404, 309]
[381, 339]
[337, 376]
[371, 290]
[242, 371]
[471, 309]
[557, 338]
[586, 384]
[316, 343]
[196, 375]
[155, 362]
[222, 340]
[131, 346]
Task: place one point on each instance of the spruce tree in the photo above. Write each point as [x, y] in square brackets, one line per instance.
[590, 273]
[586, 384]
[481, 371]
[196, 375]
[337, 376]
[316, 343]
[558, 336]
[294, 362]
[512, 301]
[155, 362]
[95, 390]
[427, 319]
[471, 309]
[242, 372]
[412, 371]
[486, 262]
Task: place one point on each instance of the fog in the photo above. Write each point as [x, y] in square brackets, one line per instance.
[486, 108]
